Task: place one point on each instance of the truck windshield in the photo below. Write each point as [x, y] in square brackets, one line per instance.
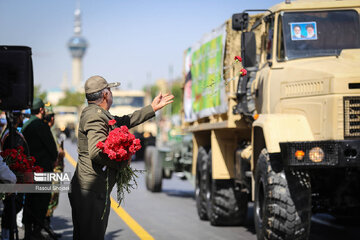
[320, 33]
[136, 102]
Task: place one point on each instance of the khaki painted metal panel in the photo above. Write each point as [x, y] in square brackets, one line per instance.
[223, 147]
[315, 4]
[195, 155]
[283, 128]
[325, 114]
[310, 108]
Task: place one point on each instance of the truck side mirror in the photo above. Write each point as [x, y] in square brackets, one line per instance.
[240, 21]
[248, 49]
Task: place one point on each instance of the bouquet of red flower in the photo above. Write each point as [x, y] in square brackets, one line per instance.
[119, 146]
[20, 163]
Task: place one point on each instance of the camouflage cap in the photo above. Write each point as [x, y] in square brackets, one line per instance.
[37, 104]
[98, 83]
[49, 108]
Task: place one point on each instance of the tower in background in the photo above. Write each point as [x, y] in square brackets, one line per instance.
[77, 46]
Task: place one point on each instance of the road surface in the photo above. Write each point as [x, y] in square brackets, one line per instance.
[172, 214]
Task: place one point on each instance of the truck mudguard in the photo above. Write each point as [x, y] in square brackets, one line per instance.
[278, 128]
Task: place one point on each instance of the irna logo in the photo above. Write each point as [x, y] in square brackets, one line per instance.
[49, 177]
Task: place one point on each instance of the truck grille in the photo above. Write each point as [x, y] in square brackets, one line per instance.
[351, 117]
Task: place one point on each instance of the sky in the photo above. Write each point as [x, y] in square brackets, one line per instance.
[134, 42]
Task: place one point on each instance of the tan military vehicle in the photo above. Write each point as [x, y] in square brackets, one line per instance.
[286, 135]
[126, 102]
[66, 121]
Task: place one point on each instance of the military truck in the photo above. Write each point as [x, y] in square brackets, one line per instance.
[126, 102]
[66, 121]
[172, 153]
[286, 135]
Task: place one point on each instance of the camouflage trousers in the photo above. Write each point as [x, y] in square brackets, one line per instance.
[54, 200]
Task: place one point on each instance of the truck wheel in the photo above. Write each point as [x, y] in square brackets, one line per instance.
[282, 207]
[200, 183]
[224, 206]
[153, 169]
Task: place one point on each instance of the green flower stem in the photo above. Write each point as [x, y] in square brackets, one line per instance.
[125, 182]
[107, 192]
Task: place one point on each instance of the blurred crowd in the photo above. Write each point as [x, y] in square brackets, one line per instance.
[32, 131]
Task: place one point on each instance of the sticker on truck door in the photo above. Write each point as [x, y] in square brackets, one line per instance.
[303, 31]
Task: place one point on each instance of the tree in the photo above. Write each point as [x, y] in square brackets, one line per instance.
[72, 99]
[175, 89]
[177, 92]
[39, 94]
[154, 91]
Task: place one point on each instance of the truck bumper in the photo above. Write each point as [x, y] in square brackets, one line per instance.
[316, 154]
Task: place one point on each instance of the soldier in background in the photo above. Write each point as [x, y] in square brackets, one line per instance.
[11, 138]
[43, 147]
[2, 121]
[49, 119]
[16, 120]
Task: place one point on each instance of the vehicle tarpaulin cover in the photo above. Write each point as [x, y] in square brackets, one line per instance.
[204, 91]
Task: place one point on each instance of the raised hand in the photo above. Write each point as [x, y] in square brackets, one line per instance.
[161, 101]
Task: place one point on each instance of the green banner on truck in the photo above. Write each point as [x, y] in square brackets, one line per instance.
[204, 92]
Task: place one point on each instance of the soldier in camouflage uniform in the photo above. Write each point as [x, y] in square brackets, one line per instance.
[49, 119]
[43, 147]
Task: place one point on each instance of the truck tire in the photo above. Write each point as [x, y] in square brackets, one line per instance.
[282, 207]
[153, 169]
[224, 206]
[147, 154]
[200, 183]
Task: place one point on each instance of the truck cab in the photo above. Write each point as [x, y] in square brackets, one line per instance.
[302, 96]
[66, 121]
[126, 102]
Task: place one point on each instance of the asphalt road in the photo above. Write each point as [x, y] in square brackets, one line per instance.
[172, 214]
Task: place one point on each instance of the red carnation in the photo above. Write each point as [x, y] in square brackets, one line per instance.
[100, 145]
[20, 163]
[136, 141]
[124, 129]
[112, 122]
[21, 148]
[38, 169]
[111, 154]
[120, 145]
[13, 154]
[243, 72]
[238, 59]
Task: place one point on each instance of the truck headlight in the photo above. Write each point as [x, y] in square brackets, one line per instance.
[316, 154]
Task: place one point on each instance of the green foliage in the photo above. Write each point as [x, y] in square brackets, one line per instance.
[38, 93]
[72, 99]
[154, 91]
[175, 89]
[177, 92]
